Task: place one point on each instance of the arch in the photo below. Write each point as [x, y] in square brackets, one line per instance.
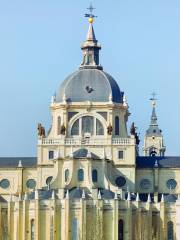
[66, 175]
[58, 125]
[99, 128]
[75, 128]
[170, 231]
[32, 229]
[81, 175]
[116, 125]
[120, 230]
[94, 175]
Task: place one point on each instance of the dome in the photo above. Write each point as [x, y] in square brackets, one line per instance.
[89, 85]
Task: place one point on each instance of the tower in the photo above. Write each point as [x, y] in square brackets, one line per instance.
[154, 142]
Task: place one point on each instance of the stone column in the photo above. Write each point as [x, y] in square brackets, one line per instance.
[149, 221]
[162, 224]
[115, 219]
[10, 220]
[83, 220]
[99, 219]
[177, 219]
[128, 221]
[66, 218]
[25, 219]
[37, 217]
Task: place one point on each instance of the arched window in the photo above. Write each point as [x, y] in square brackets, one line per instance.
[75, 128]
[74, 229]
[66, 177]
[87, 124]
[99, 128]
[170, 231]
[94, 175]
[59, 125]
[80, 175]
[48, 181]
[32, 230]
[116, 125]
[120, 230]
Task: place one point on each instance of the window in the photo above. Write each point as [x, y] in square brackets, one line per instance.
[75, 128]
[31, 184]
[32, 230]
[103, 114]
[74, 235]
[170, 231]
[116, 125]
[71, 114]
[94, 175]
[4, 183]
[87, 124]
[120, 181]
[80, 175]
[120, 154]
[171, 184]
[59, 125]
[51, 154]
[48, 181]
[120, 230]
[99, 128]
[66, 175]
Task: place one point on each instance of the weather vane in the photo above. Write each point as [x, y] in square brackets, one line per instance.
[90, 15]
[153, 99]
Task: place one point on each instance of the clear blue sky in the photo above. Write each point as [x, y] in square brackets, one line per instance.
[40, 45]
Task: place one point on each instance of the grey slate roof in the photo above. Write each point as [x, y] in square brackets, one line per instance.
[163, 162]
[103, 85]
[83, 153]
[12, 162]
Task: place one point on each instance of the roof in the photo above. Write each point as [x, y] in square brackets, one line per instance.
[84, 153]
[12, 162]
[163, 162]
[87, 85]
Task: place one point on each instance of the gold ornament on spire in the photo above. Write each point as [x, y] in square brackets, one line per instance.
[90, 15]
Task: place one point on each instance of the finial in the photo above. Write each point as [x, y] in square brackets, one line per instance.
[36, 195]
[156, 164]
[125, 103]
[137, 197]
[25, 196]
[89, 154]
[20, 164]
[149, 198]
[53, 195]
[99, 195]
[90, 15]
[83, 194]
[129, 196]
[67, 194]
[162, 197]
[153, 99]
[115, 196]
[53, 99]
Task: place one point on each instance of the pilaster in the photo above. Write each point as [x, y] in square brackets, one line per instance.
[162, 221]
[37, 219]
[128, 225]
[115, 219]
[83, 219]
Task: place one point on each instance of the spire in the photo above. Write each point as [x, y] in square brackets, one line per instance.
[90, 46]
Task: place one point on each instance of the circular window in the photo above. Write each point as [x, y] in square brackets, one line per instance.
[31, 184]
[145, 184]
[4, 183]
[120, 181]
[171, 184]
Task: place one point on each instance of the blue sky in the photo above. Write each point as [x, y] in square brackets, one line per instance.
[40, 45]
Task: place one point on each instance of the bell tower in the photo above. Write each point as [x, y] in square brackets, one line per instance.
[153, 141]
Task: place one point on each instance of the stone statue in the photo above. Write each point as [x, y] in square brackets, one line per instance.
[63, 130]
[41, 130]
[109, 129]
[133, 129]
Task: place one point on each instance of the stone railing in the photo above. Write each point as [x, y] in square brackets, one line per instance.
[88, 141]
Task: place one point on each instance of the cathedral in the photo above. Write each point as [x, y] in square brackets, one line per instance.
[88, 181]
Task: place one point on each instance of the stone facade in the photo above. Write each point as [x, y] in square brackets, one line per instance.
[88, 181]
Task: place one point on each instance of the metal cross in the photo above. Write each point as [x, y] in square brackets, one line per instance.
[91, 9]
[153, 96]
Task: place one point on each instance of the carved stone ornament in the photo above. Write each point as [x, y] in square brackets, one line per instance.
[63, 130]
[41, 130]
[109, 129]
